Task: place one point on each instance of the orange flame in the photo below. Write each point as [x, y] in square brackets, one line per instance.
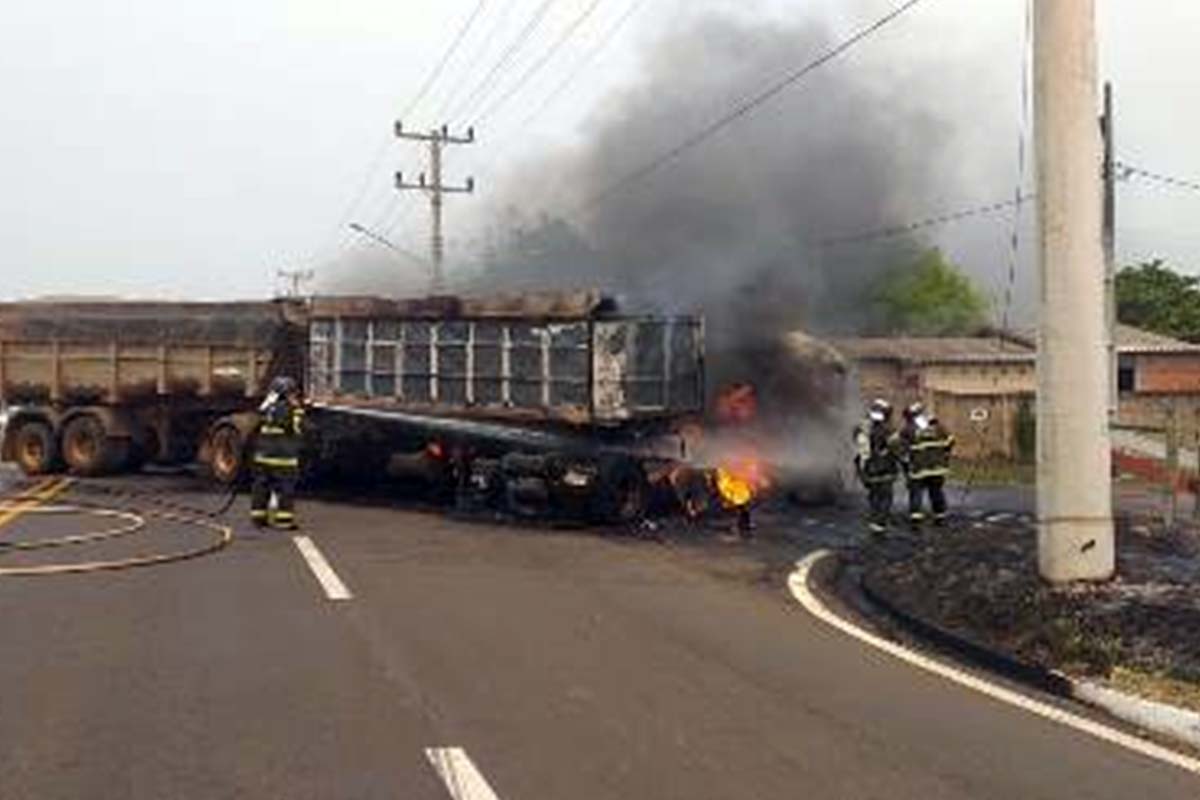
[739, 483]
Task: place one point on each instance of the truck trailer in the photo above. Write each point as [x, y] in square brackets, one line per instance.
[524, 400]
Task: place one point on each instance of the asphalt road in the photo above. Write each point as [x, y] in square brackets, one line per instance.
[562, 664]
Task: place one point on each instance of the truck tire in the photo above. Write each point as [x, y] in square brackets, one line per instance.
[622, 493]
[35, 448]
[87, 449]
[227, 454]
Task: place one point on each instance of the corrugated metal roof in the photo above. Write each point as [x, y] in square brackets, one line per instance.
[991, 349]
[933, 350]
[1136, 340]
[1133, 340]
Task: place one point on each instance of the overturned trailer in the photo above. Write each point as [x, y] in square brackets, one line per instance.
[528, 400]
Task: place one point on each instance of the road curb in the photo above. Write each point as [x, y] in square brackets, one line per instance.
[1167, 720]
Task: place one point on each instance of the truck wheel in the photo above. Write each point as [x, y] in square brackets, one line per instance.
[621, 492]
[86, 447]
[35, 448]
[227, 454]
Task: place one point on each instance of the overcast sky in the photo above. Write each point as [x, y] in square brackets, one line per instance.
[177, 149]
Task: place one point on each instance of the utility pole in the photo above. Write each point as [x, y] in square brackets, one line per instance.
[1108, 130]
[295, 280]
[437, 138]
[1075, 529]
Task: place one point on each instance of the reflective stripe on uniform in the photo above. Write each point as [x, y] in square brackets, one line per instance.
[933, 444]
[272, 430]
[935, 472]
[258, 513]
[269, 461]
[285, 515]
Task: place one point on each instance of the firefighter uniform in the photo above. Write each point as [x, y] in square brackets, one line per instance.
[276, 463]
[927, 459]
[877, 466]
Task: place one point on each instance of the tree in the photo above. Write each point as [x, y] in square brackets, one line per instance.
[929, 296]
[1156, 298]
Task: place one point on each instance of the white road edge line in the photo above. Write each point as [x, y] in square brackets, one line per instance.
[798, 585]
[463, 779]
[330, 582]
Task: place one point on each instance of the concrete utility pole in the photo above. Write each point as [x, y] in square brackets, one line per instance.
[295, 280]
[1108, 130]
[437, 139]
[1075, 529]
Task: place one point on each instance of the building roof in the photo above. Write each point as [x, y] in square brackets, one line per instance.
[1135, 340]
[1012, 347]
[934, 349]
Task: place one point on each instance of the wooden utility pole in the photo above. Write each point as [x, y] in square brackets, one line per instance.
[1075, 529]
[437, 138]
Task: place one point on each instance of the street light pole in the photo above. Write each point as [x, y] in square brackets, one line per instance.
[1075, 529]
[382, 240]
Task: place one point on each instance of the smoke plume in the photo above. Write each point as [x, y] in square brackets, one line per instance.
[735, 227]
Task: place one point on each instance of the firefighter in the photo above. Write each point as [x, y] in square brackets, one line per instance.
[277, 443]
[876, 463]
[925, 448]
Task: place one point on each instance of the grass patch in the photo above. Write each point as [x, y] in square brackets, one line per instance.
[993, 473]
[1156, 686]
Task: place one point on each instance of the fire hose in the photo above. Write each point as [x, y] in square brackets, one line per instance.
[134, 522]
[151, 498]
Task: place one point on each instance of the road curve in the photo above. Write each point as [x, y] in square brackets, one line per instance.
[552, 664]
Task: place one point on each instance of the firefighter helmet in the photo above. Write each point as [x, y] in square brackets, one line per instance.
[284, 385]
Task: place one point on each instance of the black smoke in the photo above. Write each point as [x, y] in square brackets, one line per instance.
[736, 227]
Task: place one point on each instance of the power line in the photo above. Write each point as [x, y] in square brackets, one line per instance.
[605, 39]
[538, 65]
[506, 141]
[436, 72]
[749, 105]
[481, 89]
[376, 160]
[1128, 171]
[492, 33]
[929, 222]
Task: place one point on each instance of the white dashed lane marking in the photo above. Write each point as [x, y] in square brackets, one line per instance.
[329, 580]
[463, 779]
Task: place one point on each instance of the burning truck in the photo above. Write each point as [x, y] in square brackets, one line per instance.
[534, 403]
[539, 401]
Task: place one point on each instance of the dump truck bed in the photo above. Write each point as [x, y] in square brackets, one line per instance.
[519, 358]
[117, 353]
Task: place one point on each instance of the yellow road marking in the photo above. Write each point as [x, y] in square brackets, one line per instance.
[43, 491]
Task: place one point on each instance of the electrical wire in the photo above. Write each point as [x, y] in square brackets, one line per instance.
[750, 104]
[539, 64]
[481, 89]
[476, 57]
[1129, 171]
[929, 222]
[377, 156]
[436, 72]
[606, 38]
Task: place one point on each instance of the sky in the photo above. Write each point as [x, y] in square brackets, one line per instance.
[192, 150]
